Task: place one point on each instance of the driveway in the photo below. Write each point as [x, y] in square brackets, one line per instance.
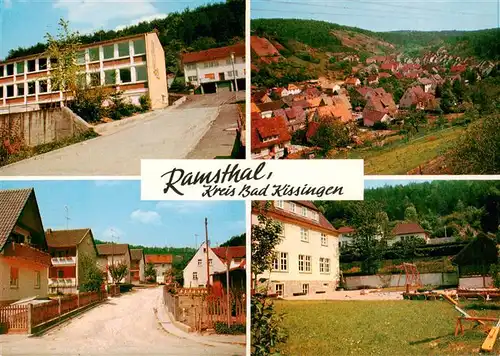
[170, 133]
[122, 326]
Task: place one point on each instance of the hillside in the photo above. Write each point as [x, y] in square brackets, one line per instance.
[213, 25]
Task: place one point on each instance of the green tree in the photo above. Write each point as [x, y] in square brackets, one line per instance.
[150, 271]
[118, 271]
[238, 240]
[415, 119]
[331, 133]
[63, 50]
[411, 214]
[91, 278]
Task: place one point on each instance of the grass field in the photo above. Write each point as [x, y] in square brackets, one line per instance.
[401, 157]
[378, 328]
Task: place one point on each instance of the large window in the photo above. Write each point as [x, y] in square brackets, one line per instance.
[304, 263]
[10, 91]
[280, 204]
[19, 67]
[94, 54]
[211, 64]
[191, 66]
[95, 79]
[139, 46]
[108, 51]
[10, 69]
[20, 89]
[14, 277]
[141, 73]
[31, 65]
[31, 88]
[324, 265]
[42, 63]
[304, 235]
[110, 76]
[125, 75]
[123, 49]
[1, 71]
[280, 262]
[1, 92]
[324, 240]
[80, 57]
[43, 86]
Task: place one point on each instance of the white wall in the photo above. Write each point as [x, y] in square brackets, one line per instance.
[222, 67]
[395, 239]
[395, 280]
[201, 270]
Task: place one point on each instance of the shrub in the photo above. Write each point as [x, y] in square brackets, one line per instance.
[380, 126]
[87, 104]
[145, 102]
[126, 287]
[235, 329]
[120, 108]
[267, 331]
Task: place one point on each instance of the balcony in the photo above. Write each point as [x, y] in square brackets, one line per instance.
[62, 282]
[64, 261]
[27, 253]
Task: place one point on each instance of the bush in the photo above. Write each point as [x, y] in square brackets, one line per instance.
[266, 330]
[235, 329]
[126, 287]
[120, 108]
[380, 126]
[145, 102]
[87, 104]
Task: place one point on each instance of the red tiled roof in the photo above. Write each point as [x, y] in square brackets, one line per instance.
[458, 68]
[214, 53]
[407, 228]
[351, 81]
[370, 117]
[345, 229]
[12, 203]
[157, 259]
[312, 127]
[232, 252]
[267, 128]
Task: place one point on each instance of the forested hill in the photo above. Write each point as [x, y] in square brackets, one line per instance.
[196, 29]
[437, 203]
[327, 36]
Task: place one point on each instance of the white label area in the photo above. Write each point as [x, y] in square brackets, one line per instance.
[252, 179]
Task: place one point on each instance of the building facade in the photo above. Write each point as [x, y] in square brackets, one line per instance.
[162, 264]
[113, 254]
[216, 69]
[68, 250]
[307, 258]
[137, 266]
[134, 65]
[24, 260]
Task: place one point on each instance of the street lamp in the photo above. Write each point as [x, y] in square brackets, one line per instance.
[234, 73]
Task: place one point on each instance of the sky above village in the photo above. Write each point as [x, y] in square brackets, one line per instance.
[114, 208]
[386, 15]
[25, 22]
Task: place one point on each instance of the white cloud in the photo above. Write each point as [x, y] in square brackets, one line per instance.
[146, 217]
[96, 14]
[112, 234]
[185, 207]
[141, 19]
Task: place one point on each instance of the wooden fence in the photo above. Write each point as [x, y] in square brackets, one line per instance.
[23, 318]
[201, 310]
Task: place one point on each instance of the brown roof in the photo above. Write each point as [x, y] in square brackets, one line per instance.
[112, 249]
[12, 203]
[136, 254]
[273, 105]
[156, 259]
[232, 252]
[323, 223]
[214, 53]
[267, 128]
[65, 238]
[408, 228]
[370, 117]
[345, 229]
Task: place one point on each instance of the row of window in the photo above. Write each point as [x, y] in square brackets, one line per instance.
[116, 50]
[213, 64]
[294, 209]
[304, 235]
[111, 76]
[200, 262]
[14, 278]
[194, 78]
[281, 263]
[279, 289]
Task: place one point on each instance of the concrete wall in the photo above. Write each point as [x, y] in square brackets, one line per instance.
[26, 286]
[157, 75]
[379, 281]
[41, 126]
[475, 282]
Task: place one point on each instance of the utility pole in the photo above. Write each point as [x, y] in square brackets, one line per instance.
[228, 262]
[234, 73]
[67, 216]
[207, 247]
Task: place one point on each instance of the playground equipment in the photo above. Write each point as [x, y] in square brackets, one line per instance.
[491, 338]
[412, 276]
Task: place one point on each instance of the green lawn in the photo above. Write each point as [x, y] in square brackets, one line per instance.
[378, 328]
[400, 157]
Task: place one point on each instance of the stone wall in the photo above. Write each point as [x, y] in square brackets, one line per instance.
[41, 126]
[395, 280]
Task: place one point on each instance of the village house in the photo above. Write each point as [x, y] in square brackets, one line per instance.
[24, 260]
[266, 109]
[134, 65]
[345, 236]
[307, 258]
[293, 89]
[162, 265]
[220, 260]
[426, 83]
[113, 254]
[416, 97]
[372, 79]
[137, 264]
[380, 107]
[70, 250]
[352, 82]
[261, 97]
[216, 69]
[270, 137]
[406, 231]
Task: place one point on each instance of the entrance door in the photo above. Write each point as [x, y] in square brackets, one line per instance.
[222, 76]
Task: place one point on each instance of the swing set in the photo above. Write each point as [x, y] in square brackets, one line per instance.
[412, 276]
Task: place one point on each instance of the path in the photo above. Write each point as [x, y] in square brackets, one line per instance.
[169, 133]
[122, 326]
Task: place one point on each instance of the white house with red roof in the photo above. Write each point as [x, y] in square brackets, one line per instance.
[345, 235]
[307, 258]
[219, 260]
[216, 69]
[162, 264]
[406, 231]
[270, 137]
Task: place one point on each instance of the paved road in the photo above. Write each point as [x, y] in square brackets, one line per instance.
[123, 326]
[170, 133]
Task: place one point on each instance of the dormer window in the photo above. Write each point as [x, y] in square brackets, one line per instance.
[304, 211]
[292, 207]
[280, 204]
[315, 215]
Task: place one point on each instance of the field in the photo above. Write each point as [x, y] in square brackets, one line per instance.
[401, 157]
[379, 328]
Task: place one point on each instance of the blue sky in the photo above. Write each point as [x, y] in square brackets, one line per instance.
[107, 206]
[386, 15]
[25, 22]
